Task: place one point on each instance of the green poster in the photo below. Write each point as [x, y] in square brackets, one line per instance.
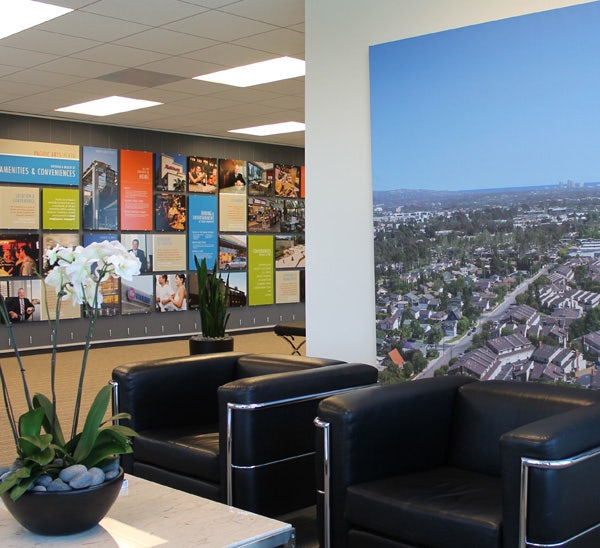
[60, 209]
[260, 270]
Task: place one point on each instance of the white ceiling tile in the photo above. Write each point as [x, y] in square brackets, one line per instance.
[275, 12]
[120, 55]
[94, 27]
[24, 59]
[279, 41]
[148, 12]
[219, 26]
[229, 55]
[180, 66]
[79, 67]
[166, 41]
[49, 42]
[43, 78]
[101, 88]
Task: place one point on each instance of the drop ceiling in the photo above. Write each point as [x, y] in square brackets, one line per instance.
[151, 49]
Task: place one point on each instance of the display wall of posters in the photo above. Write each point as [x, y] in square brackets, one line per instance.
[290, 251]
[169, 252]
[169, 172]
[287, 181]
[19, 208]
[287, 286]
[141, 246]
[170, 212]
[232, 213]
[40, 163]
[203, 175]
[261, 289]
[136, 190]
[260, 178]
[100, 188]
[233, 252]
[137, 295]
[60, 209]
[20, 254]
[202, 233]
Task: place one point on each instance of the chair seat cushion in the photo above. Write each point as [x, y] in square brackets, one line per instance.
[444, 507]
[187, 451]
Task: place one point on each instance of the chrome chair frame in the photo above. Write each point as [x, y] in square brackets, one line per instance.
[232, 407]
[526, 464]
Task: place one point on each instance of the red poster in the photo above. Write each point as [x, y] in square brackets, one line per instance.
[136, 190]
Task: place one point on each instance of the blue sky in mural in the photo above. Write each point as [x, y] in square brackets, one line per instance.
[503, 104]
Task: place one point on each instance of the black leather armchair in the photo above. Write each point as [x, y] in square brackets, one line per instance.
[232, 427]
[453, 462]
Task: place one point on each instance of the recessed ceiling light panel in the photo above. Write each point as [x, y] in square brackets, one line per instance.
[274, 70]
[271, 129]
[108, 106]
[23, 14]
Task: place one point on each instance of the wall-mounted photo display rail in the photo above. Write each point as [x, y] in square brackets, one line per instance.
[166, 209]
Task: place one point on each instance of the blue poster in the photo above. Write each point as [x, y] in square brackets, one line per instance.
[39, 163]
[203, 237]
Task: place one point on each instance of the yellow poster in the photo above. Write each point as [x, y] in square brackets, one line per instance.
[287, 286]
[60, 209]
[19, 208]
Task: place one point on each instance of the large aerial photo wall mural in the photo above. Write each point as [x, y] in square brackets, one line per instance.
[486, 200]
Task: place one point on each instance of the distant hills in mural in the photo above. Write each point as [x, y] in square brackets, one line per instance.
[422, 199]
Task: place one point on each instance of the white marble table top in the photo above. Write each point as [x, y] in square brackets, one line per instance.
[147, 514]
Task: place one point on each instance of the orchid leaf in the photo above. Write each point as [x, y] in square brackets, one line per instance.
[92, 424]
[51, 424]
[30, 423]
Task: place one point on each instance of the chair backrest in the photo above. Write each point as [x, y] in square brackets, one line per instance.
[169, 391]
[254, 365]
[484, 411]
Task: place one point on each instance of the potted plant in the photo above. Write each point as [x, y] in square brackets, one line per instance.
[213, 296]
[58, 484]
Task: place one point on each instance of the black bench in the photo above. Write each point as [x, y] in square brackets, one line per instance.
[290, 330]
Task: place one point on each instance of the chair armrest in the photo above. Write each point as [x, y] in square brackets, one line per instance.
[562, 499]
[295, 383]
[171, 391]
[272, 415]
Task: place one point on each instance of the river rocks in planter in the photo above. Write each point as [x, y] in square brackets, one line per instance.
[71, 472]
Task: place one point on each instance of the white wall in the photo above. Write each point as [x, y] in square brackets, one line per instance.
[340, 304]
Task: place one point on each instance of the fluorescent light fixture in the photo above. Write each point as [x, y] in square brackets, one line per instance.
[24, 14]
[271, 129]
[274, 70]
[108, 106]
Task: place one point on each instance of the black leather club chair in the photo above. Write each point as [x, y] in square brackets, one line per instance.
[232, 427]
[451, 462]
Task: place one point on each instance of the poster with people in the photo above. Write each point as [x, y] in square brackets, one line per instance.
[203, 175]
[20, 255]
[170, 212]
[171, 292]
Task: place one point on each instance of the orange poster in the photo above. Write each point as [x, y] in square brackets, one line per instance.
[136, 190]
